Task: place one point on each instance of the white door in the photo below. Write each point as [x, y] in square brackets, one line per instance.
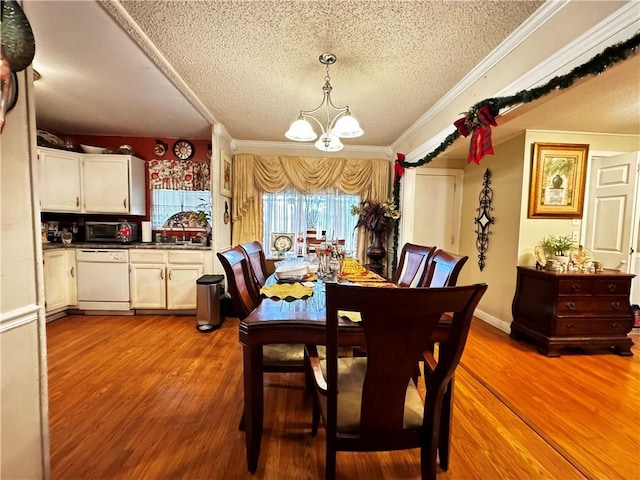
[611, 209]
[432, 201]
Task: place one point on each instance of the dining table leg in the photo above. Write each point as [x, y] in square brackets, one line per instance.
[253, 403]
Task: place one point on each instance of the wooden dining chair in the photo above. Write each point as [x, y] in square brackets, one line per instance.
[245, 298]
[372, 403]
[257, 262]
[444, 269]
[413, 265]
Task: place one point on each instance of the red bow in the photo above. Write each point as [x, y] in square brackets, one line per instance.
[481, 127]
[398, 170]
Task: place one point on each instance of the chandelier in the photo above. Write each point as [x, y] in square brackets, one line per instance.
[343, 125]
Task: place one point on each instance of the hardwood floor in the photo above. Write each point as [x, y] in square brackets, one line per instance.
[150, 397]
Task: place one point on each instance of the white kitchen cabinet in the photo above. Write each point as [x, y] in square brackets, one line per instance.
[148, 286]
[166, 279]
[60, 288]
[60, 180]
[87, 183]
[113, 184]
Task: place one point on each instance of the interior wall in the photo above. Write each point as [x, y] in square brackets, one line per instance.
[23, 396]
[506, 167]
[532, 230]
[221, 236]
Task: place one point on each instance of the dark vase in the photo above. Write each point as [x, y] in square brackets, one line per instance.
[557, 181]
[376, 251]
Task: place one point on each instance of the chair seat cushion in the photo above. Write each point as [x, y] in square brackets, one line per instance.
[351, 372]
[283, 355]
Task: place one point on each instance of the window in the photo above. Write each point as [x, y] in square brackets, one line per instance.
[165, 203]
[295, 212]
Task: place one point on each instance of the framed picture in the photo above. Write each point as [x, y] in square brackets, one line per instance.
[225, 174]
[558, 174]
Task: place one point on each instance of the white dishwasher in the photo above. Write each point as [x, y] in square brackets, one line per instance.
[103, 279]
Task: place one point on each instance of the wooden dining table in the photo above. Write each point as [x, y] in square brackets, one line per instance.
[278, 321]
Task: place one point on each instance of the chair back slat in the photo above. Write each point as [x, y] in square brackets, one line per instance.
[240, 284]
[413, 265]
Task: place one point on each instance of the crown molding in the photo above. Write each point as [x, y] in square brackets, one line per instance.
[284, 146]
[533, 23]
[122, 18]
[602, 34]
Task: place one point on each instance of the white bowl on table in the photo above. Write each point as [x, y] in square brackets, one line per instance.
[286, 270]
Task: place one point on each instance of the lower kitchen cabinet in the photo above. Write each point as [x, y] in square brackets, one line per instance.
[166, 279]
[60, 288]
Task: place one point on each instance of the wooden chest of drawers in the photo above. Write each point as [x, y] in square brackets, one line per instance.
[586, 310]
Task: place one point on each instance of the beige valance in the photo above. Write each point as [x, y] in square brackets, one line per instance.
[255, 174]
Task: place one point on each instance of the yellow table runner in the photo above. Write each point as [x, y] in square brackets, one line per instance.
[286, 290]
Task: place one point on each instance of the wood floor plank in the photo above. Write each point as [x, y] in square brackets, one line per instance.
[587, 406]
[150, 397]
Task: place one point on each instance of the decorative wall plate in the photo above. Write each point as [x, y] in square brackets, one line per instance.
[183, 149]
[541, 258]
[160, 148]
[282, 242]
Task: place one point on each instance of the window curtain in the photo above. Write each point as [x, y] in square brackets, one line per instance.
[255, 174]
[179, 175]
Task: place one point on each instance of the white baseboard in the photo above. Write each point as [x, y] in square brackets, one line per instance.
[494, 321]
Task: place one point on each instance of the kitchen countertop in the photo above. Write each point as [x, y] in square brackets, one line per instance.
[135, 245]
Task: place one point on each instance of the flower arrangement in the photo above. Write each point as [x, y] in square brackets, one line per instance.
[378, 216]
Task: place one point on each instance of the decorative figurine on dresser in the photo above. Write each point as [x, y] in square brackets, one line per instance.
[555, 310]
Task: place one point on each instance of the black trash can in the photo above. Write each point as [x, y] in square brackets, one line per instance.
[209, 292]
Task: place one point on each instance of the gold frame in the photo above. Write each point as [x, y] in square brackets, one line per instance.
[558, 175]
[225, 174]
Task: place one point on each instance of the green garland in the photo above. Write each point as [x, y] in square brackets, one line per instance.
[608, 57]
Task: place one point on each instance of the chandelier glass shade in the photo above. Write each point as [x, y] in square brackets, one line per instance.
[342, 125]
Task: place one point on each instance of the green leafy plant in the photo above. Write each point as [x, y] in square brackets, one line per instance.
[559, 245]
[203, 214]
[378, 216]
[558, 166]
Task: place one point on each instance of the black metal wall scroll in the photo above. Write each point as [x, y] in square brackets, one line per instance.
[484, 219]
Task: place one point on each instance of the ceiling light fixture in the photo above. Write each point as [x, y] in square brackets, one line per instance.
[343, 125]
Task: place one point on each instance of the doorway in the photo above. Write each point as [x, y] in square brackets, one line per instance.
[431, 205]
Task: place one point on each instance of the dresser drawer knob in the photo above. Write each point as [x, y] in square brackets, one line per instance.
[576, 287]
[614, 325]
[615, 305]
[571, 306]
[612, 287]
[570, 326]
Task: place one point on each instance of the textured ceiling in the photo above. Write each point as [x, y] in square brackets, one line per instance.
[252, 65]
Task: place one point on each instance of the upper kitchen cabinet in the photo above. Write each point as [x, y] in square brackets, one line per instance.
[60, 180]
[113, 184]
[85, 183]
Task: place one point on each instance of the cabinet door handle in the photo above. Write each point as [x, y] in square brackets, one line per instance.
[612, 287]
[576, 287]
[170, 275]
[615, 305]
[77, 201]
[162, 274]
[571, 306]
[73, 273]
[124, 203]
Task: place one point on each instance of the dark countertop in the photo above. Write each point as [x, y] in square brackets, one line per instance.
[135, 245]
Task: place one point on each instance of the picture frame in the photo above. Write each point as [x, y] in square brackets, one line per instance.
[558, 176]
[225, 174]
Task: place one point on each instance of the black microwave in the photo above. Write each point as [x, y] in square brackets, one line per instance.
[108, 232]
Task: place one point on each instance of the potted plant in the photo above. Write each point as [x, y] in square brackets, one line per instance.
[558, 246]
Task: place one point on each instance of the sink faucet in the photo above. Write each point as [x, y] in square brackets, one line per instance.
[184, 233]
